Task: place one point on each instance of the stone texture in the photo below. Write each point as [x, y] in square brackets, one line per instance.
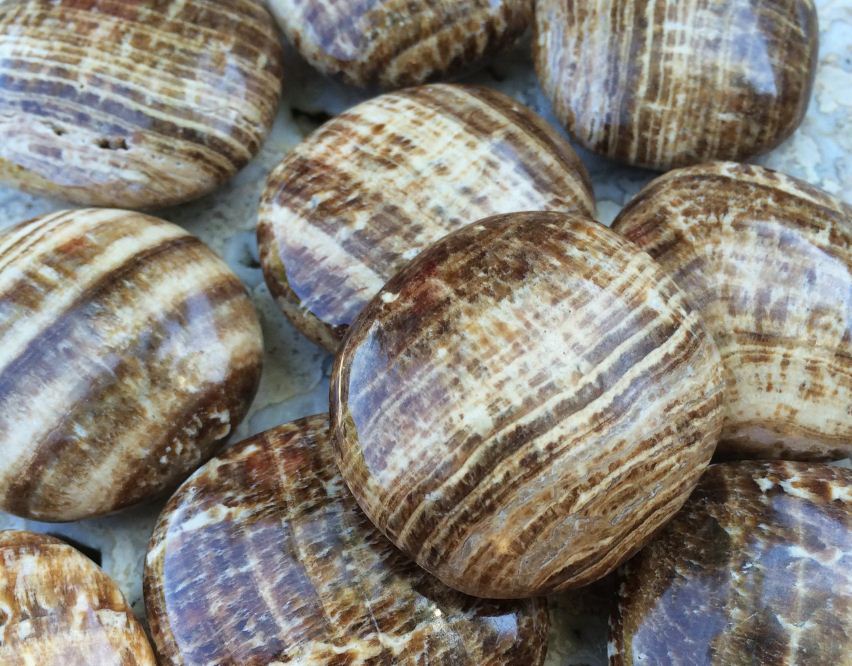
[754, 570]
[767, 259]
[525, 404]
[128, 352]
[264, 556]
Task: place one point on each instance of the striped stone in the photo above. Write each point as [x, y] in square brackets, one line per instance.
[395, 43]
[767, 259]
[263, 556]
[668, 83]
[364, 194]
[525, 404]
[128, 352]
[134, 104]
[59, 608]
[754, 570]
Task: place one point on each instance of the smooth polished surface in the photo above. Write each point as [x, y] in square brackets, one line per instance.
[128, 352]
[754, 570]
[263, 556]
[667, 83]
[768, 261]
[133, 104]
[59, 609]
[523, 405]
[395, 43]
[370, 189]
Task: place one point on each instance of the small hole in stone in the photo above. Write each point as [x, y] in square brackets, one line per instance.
[113, 144]
[92, 553]
[58, 131]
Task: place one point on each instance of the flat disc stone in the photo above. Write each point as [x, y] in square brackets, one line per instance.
[397, 43]
[756, 569]
[133, 104]
[59, 608]
[370, 189]
[525, 404]
[768, 261]
[128, 352]
[263, 556]
[668, 83]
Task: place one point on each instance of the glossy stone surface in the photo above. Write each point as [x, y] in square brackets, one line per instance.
[128, 352]
[667, 83]
[370, 189]
[395, 43]
[263, 556]
[59, 608]
[133, 104]
[754, 570]
[768, 261]
[523, 405]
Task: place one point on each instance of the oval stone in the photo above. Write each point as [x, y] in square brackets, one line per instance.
[134, 104]
[263, 556]
[668, 83]
[754, 570]
[395, 43]
[128, 352]
[60, 608]
[370, 189]
[767, 259]
[525, 404]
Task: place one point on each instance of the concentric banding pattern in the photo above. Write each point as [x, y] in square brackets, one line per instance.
[264, 557]
[524, 404]
[768, 261]
[133, 104]
[370, 189]
[128, 352]
[756, 569]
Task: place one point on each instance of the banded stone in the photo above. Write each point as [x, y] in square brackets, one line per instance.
[754, 570]
[58, 607]
[354, 202]
[128, 352]
[525, 404]
[263, 556]
[133, 104]
[669, 83]
[767, 259]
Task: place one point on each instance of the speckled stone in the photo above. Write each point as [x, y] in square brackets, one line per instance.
[59, 608]
[365, 193]
[128, 352]
[263, 556]
[667, 83]
[525, 404]
[756, 569]
[133, 104]
[768, 261]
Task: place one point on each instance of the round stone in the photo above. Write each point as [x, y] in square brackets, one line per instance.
[134, 104]
[767, 259]
[753, 570]
[263, 556]
[128, 352]
[60, 608]
[369, 190]
[525, 404]
[395, 43]
[668, 83]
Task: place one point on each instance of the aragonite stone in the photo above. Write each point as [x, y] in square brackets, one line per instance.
[397, 43]
[668, 83]
[58, 607]
[354, 202]
[134, 104]
[768, 261]
[525, 404]
[128, 352]
[263, 556]
[754, 570]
